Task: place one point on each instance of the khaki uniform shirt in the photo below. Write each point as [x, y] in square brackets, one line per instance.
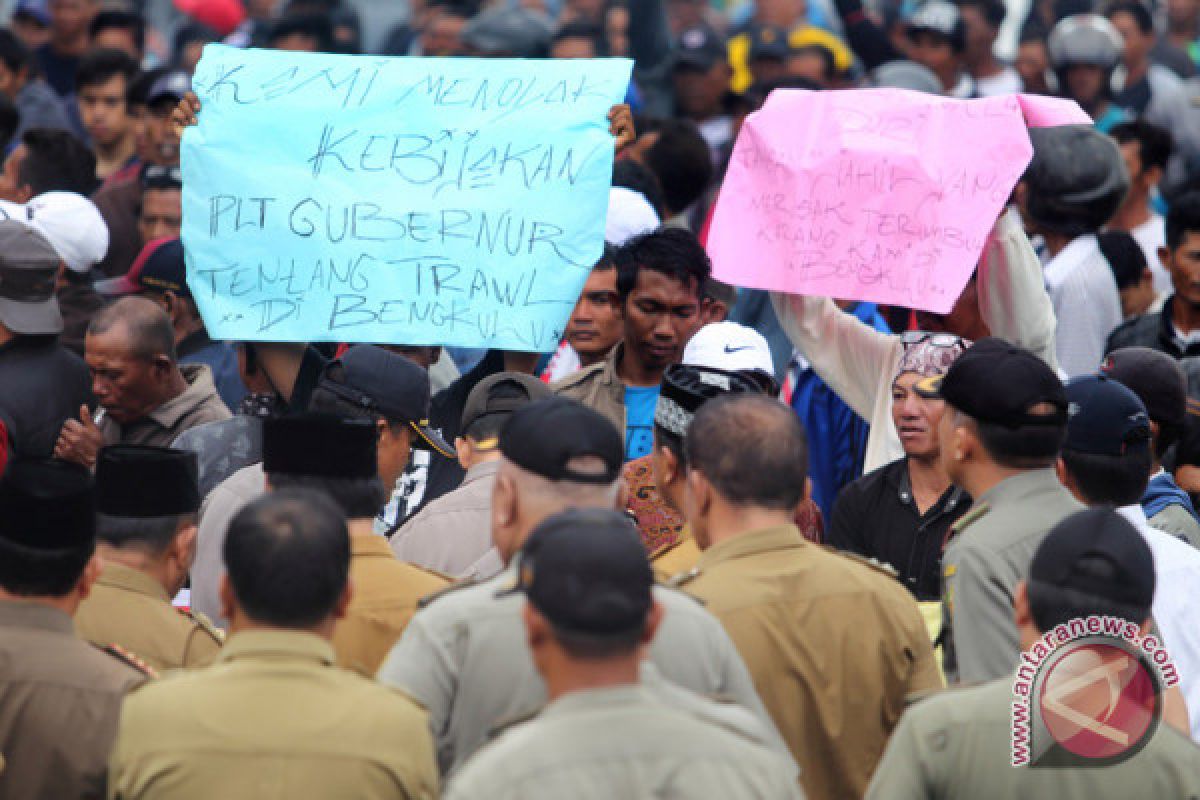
[834, 645]
[272, 719]
[599, 388]
[988, 554]
[198, 404]
[131, 609]
[453, 532]
[220, 506]
[672, 559]
[958, 744]
[623, 741]
[59, 702]
[464, 657]
[384, 596]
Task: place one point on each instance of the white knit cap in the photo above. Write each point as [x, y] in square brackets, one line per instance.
[629, 214]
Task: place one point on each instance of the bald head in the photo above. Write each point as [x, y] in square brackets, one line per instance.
[144, 326]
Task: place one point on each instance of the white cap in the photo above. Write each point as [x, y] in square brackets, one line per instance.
[729, 346]
[73, 226]
[629, 214]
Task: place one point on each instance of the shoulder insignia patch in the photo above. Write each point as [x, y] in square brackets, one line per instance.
[963, 522]
[205, 624]
[428, 571]
[682, 579]
[128, 659]
[872, 563]
[453, 587]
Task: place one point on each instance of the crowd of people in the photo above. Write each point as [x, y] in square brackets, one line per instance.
[721, 543]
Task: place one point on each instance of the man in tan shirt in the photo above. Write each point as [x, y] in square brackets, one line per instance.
[833, 644]
[147, 500]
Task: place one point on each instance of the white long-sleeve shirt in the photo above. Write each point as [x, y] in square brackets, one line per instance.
[1086, 304]
[859, 363]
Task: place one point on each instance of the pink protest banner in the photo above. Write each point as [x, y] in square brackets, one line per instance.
[882, 195]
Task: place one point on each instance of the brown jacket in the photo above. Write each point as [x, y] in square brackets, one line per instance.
[600, 388]
[198, 404]
[131, 609]
[59, 702]
[834, 646]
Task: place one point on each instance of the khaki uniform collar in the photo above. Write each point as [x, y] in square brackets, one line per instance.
[608, 375]
[625, 695]
[277, 645]
[17, 614]
[369, 546]
[484, 469]
[119, 576]
[1019, 487]
[782, 537]
[200, 387]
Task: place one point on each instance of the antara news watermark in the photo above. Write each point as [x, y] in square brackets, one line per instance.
[1089, 692]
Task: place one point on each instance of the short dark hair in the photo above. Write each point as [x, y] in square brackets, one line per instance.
[828, 60]
[681, 161]
[673, 442]
[598, 648]
[1110, 480]
[13, 53]
[35, 572]
[56, 161]
[1124, 255]
[123, 21]
[287, 554]
[149, 326]
[101, 66]
[752, 449]
[581, 29]
[1020, 446]
[315, 26]
[1154, 143]
[138, 90]
[1052, 605]
[629, 174]
[10, 120]
[673, 252]
[993, 11]
[358, 498]
[154, 534]
[1141, 15]
[189, 33]
[607, 260]
[1183, 217]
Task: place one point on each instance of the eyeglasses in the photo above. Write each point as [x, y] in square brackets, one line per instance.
[910, 338]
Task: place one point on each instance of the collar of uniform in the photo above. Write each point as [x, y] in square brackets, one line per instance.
[627, 694]
[370, 545]
[609, 374]
[119, 576]
[484, 469]
[1019, 487]
[18, 614]
[782, 537]
[277, 646]
[200, 386]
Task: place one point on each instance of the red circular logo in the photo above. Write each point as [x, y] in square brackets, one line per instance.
[1098, 700]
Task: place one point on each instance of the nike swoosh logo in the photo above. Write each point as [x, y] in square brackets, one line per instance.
[729, 349]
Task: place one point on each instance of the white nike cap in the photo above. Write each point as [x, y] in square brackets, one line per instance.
[731, 347]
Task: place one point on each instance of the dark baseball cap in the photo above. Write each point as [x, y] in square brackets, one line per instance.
[997, 382]
[320, 445]
[545, 436]
[28, 273]
[390, 385]
[1104, 418]
[510, 31]
[586, 571]
[158, 267]
[47, 505]
[1154, 377]
[1104, 534]
[142, 481]
[685, 388]
[501, 394]
[699, 48]
[768, 42]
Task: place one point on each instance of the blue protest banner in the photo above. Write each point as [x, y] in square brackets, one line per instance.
[395, 200]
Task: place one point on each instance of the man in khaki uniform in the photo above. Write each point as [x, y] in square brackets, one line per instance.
[274, 717]
[834, 645]
[147, 500]
[463, 656]
[59, 696]
[338, 456]
[589, 615]
[1000, 438]
[959, 743]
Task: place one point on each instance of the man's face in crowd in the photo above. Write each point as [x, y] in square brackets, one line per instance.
[10, 178]
[661, 314]
[810, 65]
[70, 18]
[1085, 85]
[981, 36]
[102, 109]
[296, 43]
[443, 35]
[159, 143]
[1032, 63]
[765, 70]
[916, 418]
[576, 47]
[162, 214]
[1183, 263]
[117, 39]
[1137, 44]
[781, 13]
[933, 50]
[1141, 180]
[698, 92]
[1182, 13]
[126, 384]
[595, 324]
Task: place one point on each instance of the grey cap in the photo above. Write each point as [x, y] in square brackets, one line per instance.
[28, 271]
[906, 75]
[501, 394]
[1085, 39]
[515, 32]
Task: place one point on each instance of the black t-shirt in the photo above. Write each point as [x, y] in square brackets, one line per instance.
[876, 516]
[59, 71]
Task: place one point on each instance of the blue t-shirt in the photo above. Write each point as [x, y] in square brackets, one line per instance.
[639, 420]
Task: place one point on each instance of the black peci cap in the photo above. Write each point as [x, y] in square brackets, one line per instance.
[997, 382]
[686, 388]
[586, 571]
[545, 436]
[47, 505]
[502, 393]
[1154, 377]
[1104, 418]
[320, 445]
[139, 481]
[1097, 533]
